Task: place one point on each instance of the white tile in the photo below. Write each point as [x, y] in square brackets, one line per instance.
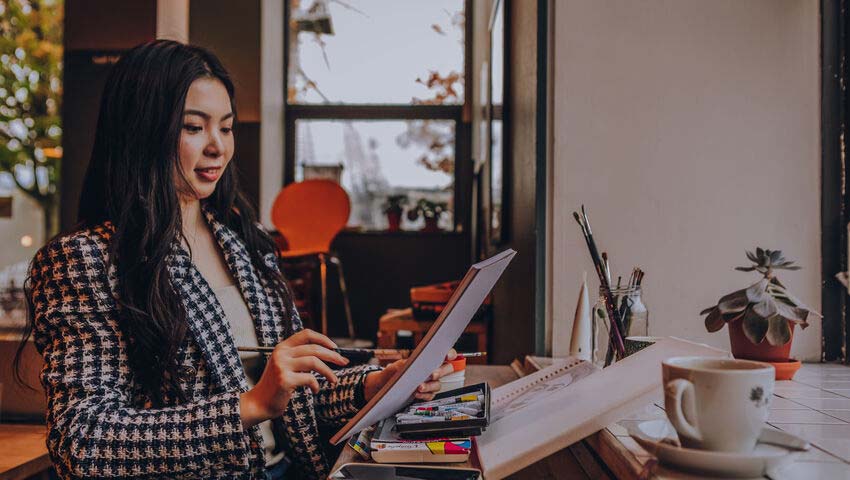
[813, 433]
[813, 470]
[825, 403]
[844, 392]
[621, 428]
[840, 447]
[815, 454]
[779, 403]
[842, 414]
[831, 438]
[801, 416]
[832, 366]
[799, 391]
[650, 412]
[618, 430]
[825, 383]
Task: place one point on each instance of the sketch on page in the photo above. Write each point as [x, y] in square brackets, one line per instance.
[537, 386]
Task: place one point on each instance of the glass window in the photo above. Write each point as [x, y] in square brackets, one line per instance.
[376, 51]
[379, 158]
[30, 140]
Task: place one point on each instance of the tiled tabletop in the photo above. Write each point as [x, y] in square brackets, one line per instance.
[815, 406]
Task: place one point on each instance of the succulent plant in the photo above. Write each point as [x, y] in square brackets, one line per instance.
[426, 208]
[765, 307]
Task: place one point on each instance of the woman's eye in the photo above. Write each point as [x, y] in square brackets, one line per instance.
[192, 128]
[226, 130]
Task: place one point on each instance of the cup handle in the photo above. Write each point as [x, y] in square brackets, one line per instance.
[676, 392]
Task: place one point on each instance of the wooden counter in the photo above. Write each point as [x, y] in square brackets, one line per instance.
[24, 452]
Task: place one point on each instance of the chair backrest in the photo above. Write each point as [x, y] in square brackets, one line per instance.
[309, 214]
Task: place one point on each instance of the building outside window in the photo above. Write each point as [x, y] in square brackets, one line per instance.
[375, 91]
[30, 139]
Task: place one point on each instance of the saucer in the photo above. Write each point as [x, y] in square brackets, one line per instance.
[773, 450]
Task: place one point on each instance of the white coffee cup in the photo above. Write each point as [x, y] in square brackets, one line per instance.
[715, 403]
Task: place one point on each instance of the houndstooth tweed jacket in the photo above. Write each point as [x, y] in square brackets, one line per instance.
[100, 424]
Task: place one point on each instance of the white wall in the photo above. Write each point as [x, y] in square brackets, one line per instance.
[690, 130]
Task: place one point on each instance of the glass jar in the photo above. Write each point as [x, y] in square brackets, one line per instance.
[633, 314]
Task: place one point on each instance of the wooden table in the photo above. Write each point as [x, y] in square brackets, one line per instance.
[23, 453]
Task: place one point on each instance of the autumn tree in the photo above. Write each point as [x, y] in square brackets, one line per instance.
[30, 100]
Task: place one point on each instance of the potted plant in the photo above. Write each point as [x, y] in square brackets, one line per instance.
[762, 316]
[430, 211]
[393, 208]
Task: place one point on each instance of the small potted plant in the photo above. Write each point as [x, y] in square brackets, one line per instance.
[430, 211]
[762, 316]
[393, 208]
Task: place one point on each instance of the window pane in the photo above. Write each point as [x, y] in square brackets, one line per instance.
[376, 51]
[381, 158]
[30, 141]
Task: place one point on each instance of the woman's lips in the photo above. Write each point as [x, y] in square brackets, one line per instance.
[210, 174]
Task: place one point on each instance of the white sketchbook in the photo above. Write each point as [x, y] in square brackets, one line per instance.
[431, 351]
[537, 415]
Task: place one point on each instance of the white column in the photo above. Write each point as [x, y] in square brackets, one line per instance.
[172, 20]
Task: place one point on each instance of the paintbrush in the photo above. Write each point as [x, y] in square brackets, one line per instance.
[616, 324]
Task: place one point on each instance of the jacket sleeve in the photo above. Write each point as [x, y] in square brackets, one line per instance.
[335, 404]
[94, 431]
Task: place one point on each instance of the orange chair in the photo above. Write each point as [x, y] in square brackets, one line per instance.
[309, 215]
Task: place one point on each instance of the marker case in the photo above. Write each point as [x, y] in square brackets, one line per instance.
[447, 428]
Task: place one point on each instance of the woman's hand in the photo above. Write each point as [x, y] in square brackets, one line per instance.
[289, 366]
[426, 390]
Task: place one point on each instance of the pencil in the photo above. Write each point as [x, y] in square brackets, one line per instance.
[378, 352]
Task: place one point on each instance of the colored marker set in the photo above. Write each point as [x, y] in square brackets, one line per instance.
[463, 412]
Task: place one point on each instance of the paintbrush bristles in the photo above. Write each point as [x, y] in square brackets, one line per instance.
[603, 272]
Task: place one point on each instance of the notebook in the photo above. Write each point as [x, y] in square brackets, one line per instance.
[537, 415]
[530, 389]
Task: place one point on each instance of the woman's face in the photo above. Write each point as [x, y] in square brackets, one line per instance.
[206, 139]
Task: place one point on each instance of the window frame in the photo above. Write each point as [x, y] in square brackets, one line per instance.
[457, 113]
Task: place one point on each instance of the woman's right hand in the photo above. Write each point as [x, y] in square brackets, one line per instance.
[289, 366]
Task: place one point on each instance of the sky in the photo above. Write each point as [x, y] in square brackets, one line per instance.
[375, 57]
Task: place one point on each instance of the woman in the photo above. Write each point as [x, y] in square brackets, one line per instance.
[138, 312]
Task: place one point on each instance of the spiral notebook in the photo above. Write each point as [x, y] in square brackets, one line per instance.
[530, 389]
[541, 413]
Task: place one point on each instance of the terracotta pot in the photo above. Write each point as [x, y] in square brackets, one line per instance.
[394, 221]
[743, 348]
[430, 225]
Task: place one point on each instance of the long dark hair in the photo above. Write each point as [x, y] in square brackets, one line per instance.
[130, 182]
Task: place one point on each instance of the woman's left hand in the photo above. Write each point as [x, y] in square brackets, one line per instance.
[426, 390]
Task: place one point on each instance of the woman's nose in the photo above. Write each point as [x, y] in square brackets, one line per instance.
[215, 144]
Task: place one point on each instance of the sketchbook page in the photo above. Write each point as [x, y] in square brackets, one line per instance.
[549, 424]
[431, 351]
[539, 385]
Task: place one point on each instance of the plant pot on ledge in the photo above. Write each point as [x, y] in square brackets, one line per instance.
[393, 208]
[762, 317]
[394, 221]
[429, 211]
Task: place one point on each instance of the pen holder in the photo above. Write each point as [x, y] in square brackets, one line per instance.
[633, 314]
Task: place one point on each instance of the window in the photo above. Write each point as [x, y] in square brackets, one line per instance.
[375, 94]
[30, 140]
